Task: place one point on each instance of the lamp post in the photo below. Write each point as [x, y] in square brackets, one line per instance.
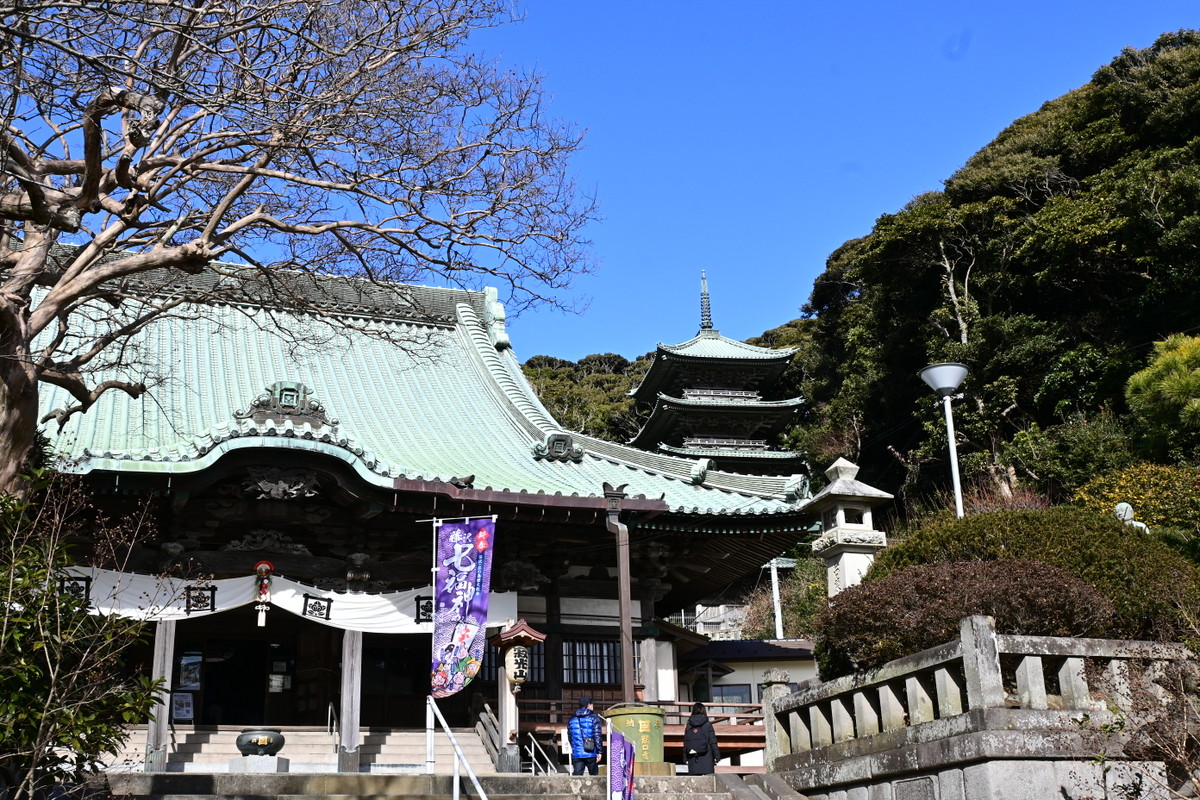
[945, 379]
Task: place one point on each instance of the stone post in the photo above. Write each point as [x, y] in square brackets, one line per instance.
[981, 662]
[509, 756]
[776, 685]
[649, 652]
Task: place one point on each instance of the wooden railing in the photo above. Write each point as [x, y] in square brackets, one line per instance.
[981, 670]
[488, 729]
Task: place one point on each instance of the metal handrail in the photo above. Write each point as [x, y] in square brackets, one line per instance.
[535, 749]
[432, 712]
[332, 726]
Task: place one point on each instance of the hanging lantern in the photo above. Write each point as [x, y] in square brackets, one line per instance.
[516, 663]
[262, 572]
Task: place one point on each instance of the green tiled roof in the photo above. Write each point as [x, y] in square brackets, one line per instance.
[711, 344]
[675, 367]
[450, 403]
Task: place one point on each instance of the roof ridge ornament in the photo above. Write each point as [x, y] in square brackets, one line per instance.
[706, 323]
[493, 317]
[558, 446]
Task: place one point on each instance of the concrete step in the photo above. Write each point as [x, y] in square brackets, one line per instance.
[307, 750]
[387, 787]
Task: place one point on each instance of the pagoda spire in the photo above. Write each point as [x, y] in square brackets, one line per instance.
[705, 306]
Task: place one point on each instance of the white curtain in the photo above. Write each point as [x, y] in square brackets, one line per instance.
[150, 597]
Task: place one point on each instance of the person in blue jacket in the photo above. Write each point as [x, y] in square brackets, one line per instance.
[586, 735]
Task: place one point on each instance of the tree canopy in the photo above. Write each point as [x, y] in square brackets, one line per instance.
[147, 141]
[1048, 264]
[592, 395]
[1165, 398]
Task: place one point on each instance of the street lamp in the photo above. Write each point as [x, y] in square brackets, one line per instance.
[945, 379]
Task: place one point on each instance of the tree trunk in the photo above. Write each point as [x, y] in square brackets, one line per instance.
[18, 399]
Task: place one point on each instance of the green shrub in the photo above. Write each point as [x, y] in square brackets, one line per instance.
[1147, 582]
[1061, 458]
[916, 608]
[1162, 496]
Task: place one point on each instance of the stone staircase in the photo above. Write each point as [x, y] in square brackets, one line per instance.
[173, 786]
[210, 749]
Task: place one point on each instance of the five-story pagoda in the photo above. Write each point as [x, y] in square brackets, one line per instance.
[707, 399]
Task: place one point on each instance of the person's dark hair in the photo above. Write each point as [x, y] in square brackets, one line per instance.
[697, 708]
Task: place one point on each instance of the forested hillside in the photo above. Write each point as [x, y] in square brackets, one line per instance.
[1051, 264]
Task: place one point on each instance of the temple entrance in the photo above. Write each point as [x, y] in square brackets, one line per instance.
[286, 673]
[395, 680]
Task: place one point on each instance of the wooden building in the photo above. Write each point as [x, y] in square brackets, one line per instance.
[325, 444]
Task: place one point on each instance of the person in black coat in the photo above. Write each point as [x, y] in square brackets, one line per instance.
[700, 743]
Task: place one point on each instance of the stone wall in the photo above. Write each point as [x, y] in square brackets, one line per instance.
[985, 716]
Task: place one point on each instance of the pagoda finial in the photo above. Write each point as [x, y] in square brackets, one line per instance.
[705, 306]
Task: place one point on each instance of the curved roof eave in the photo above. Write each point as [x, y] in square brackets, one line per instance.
[756, 406]
[710, 344]
[365, 466]
[716, 452]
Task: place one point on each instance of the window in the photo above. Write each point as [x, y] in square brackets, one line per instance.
[592, 663]
[729, 693]
[732, 693]
[762, 687]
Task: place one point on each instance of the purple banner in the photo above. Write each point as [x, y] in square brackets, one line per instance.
[620, 768]
[464, 573]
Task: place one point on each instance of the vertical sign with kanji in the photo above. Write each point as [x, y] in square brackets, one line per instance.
[464, 566]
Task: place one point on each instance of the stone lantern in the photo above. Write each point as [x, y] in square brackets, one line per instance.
[848, 540]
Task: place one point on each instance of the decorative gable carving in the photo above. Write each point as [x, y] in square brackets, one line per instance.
[279, 483]
[558, 447]
[285, 400]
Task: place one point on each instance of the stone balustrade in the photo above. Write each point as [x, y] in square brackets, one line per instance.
[984, 698]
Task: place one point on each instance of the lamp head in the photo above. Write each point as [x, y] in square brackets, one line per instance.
[944, 378]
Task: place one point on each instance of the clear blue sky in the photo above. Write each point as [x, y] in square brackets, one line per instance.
[752, 139]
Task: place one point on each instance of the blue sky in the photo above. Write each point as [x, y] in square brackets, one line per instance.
[751, 140]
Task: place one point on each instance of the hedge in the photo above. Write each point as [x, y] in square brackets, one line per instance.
[1147, 581]
[916, 608]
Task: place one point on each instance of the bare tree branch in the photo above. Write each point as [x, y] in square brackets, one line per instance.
[355, 138]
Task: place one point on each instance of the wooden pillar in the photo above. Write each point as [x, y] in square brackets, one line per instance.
[553, 646]
[163, 665]
[650, 670]
[348, 722]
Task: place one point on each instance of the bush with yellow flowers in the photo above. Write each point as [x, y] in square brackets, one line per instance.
[1162, 496]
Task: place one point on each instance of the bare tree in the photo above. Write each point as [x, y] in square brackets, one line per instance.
[66, 692]
[145, 146]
